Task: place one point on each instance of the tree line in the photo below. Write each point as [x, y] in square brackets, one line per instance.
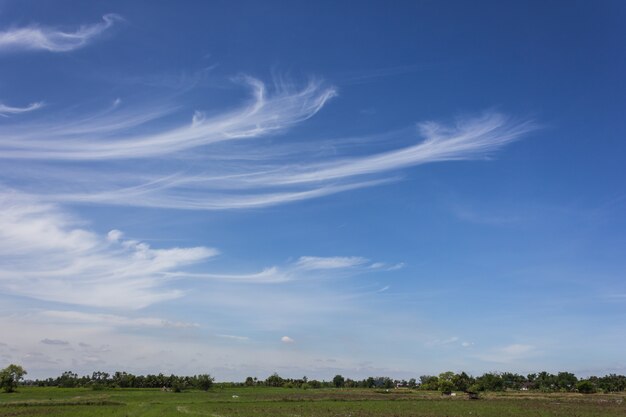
[101, 380]
[504, 381]
[445, 382]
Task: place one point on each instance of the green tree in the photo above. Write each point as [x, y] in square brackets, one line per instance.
[462, 381]
[446, 376]
[274, 380]
[68, 379]
[204, 382]
[123, 379]
[512, 380]
[566, 381]
[314, 383]
[178, 384]
[545, 381]
[491, 382]
[586, 387]
[338, 381]
[429, 383]
[475, 388]
[612, 383]
[446, 387]
[10, 377]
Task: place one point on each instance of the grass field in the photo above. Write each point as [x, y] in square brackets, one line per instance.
[279, 402]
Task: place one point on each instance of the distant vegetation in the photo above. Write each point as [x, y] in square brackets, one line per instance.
[101, 380]
[445, 382]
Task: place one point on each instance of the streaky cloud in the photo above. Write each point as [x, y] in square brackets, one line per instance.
[96, 140]
[468, 139]
[335, 262]
[509, 353]
[42, 38]
[303, 268]
[233, 337]
[112, 320]
[266, 276]
[54, 342]
[6, 110]
[163, 197]
[240, 158]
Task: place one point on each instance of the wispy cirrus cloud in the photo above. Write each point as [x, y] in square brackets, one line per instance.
[55, 342]
[233, 337]
[229, 160]
[6, 110]
[93, 139]
[509, 354]
[335, 262]
[51, 39]
[111, 320]
[302, 268]
[468, 139]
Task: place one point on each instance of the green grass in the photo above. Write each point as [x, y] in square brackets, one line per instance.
[279, 402]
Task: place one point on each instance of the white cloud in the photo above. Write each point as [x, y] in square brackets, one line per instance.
[468, 139]
[300, 269]
[51, 39]
[108, 137]
[55, 342]
[336, 262]
[512, 353]
[517, 349]
[396, 267]
[287, 339]
[114, 235]
[47, 254]
[450, 341]
[384, 267]
[266, 276]
[224, 161]
[6, 110]
[233, 337]
[44, 254]
[112, 320]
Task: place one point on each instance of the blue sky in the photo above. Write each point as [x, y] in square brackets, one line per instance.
[312, 188]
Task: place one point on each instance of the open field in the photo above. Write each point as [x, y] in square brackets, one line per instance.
[277, 402]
